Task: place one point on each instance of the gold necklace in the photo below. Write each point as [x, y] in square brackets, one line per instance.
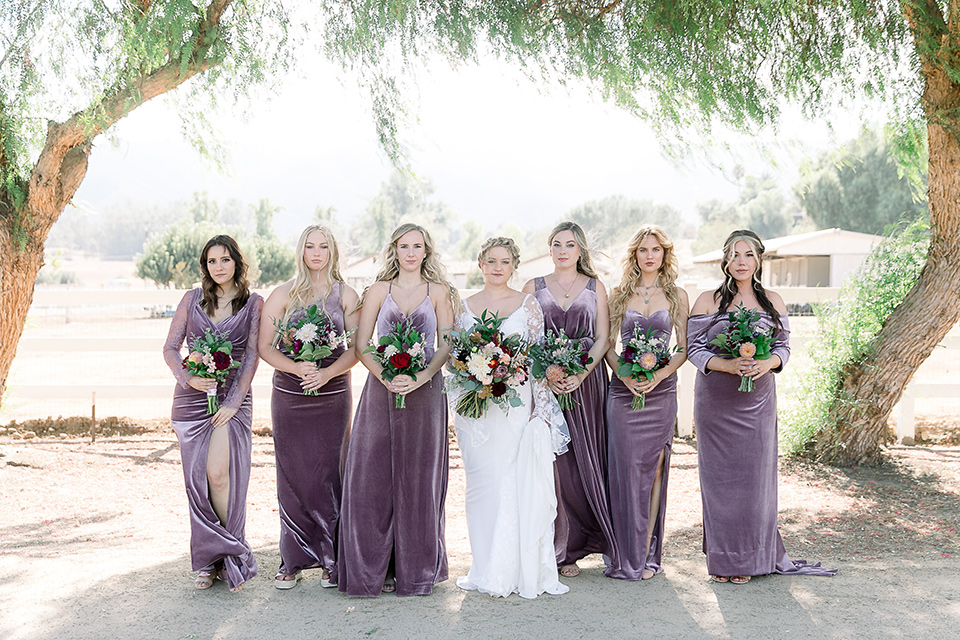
[566, 292]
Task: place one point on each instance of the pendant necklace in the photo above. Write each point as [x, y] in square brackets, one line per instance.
[645, 292]
[566, 292]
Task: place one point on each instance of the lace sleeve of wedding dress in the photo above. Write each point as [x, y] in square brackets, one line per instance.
[545, 405]
[250, 359]
[175, 338]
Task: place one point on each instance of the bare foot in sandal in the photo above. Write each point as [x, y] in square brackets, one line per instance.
[389, 585]
[570, 570]
[204, 579]
[740, 579]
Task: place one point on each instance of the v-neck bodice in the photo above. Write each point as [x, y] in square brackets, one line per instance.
[579, 320]
[422, 317]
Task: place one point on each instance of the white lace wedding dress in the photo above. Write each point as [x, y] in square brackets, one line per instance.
[510, 498]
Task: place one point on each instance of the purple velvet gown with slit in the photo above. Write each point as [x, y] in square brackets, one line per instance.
[395, 479]
[737, 457]
[210, 541]
[583, 523]
[636, 439]
[308, 435]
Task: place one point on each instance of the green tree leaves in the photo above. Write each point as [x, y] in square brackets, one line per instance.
[861, 187]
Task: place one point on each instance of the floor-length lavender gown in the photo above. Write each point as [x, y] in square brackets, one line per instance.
[210, 541]
[737, 457]
[308, 434]
[395, 479]
[636, 439]
[583, 523]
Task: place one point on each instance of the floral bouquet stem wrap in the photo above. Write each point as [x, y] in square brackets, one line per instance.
[400, 352]
[557, 357]
[210, 357]
[642, 356]
[487, 365]
[745, 340]
[310, 337]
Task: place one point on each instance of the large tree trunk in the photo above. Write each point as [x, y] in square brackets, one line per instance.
[55, 179]
[62, 165]
[18, 270]
[870, 389]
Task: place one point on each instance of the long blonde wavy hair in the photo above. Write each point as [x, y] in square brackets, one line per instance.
[301, 292]
[584, 262]
[631, 278]
[431, 269]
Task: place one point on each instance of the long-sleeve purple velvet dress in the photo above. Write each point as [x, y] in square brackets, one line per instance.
[583, 523]
[308, 435]
[395, 479]
[210, 541]
[635, 441]
[737, 457]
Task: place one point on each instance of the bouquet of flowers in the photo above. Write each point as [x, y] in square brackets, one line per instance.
[643, 355]
[310, 337]
[556, 357]
[488, 366]
[210, 357]
[745, 340]
[400, 352]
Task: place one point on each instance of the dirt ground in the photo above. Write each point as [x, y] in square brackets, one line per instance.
[94, 544]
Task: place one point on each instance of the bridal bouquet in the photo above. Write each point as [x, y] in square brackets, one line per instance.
[400, 352]
[642, 355]
[745, 339]
[210, 357]
[556, 357]
[487, 365]
[310, 337]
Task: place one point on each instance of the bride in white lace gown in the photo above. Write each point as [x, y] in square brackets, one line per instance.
[511, 502]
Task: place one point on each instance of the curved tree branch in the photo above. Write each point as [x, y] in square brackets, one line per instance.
[49, 192]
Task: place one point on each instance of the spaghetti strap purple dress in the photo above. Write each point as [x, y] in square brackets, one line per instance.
[210, 541]
[737, 457]
[583, 523]
[308, 435]
[395, 479]
[635, 440]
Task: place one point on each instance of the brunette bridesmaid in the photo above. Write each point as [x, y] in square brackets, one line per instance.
[639, 440]
[215, 449]
[395, 479]
[737, 430]
[309, 430]
[575, 301]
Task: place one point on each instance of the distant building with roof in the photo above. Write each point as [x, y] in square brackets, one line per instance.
[818, 259]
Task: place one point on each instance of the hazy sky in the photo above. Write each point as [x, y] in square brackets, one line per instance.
[496, 147]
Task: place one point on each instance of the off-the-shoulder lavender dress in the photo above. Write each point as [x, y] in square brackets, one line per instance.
[636, 439]
[395, 479]
[308, 435]
[737, 456]
[583, 523]
[210, 541]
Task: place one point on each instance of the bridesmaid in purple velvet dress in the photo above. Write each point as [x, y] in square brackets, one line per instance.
[309, 431]
[215, 450]
[737, 431]
[639, 441]
[575, 301]
[395, 478]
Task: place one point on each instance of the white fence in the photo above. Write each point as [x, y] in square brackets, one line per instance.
[92, 331]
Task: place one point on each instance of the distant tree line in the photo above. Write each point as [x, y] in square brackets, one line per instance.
[858, 187]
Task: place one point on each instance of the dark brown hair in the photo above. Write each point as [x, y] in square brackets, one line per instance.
[726, 292]
[209, 287]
